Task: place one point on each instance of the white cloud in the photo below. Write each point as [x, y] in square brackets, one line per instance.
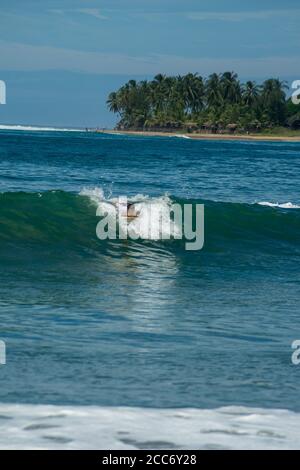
[241, 15]
[21, 57]
[95, 12]
[92, 12]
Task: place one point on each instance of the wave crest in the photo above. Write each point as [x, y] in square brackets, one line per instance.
[286, 205]
[68, 219]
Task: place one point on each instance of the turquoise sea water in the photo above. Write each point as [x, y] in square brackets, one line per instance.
[147, 323]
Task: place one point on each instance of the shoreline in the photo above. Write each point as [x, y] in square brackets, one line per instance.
[236, 137]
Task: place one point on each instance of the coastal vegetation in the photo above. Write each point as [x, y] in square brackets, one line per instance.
[218, 104]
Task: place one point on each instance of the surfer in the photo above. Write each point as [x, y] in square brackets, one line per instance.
[127, 210]
[132, 213]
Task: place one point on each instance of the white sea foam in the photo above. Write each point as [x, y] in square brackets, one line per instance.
[114, 133]
[36, 128]
[153, 222]
[286, 205]
[181, 136]
[65, 427]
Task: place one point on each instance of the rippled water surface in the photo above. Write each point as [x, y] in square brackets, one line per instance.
[147, 323]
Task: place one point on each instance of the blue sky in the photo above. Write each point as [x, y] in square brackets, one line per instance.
[61, 58]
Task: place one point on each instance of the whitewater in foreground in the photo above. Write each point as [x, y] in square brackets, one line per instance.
[72, 428]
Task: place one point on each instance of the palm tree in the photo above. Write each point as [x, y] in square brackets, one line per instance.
[273, 100]
[113, 102]
[274, 86]
[213, 92]
[159, 79]
[192, 89]
[231, 89]
[157, 92]
[250, 93]
[168, 101]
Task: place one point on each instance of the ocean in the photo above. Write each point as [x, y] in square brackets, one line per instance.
[145, 335]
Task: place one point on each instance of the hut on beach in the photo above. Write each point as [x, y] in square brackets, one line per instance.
[232, 128]
[294, 122]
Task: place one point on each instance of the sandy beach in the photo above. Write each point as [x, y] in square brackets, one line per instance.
[205, 136]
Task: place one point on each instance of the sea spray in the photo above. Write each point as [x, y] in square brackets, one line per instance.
[158, 219]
